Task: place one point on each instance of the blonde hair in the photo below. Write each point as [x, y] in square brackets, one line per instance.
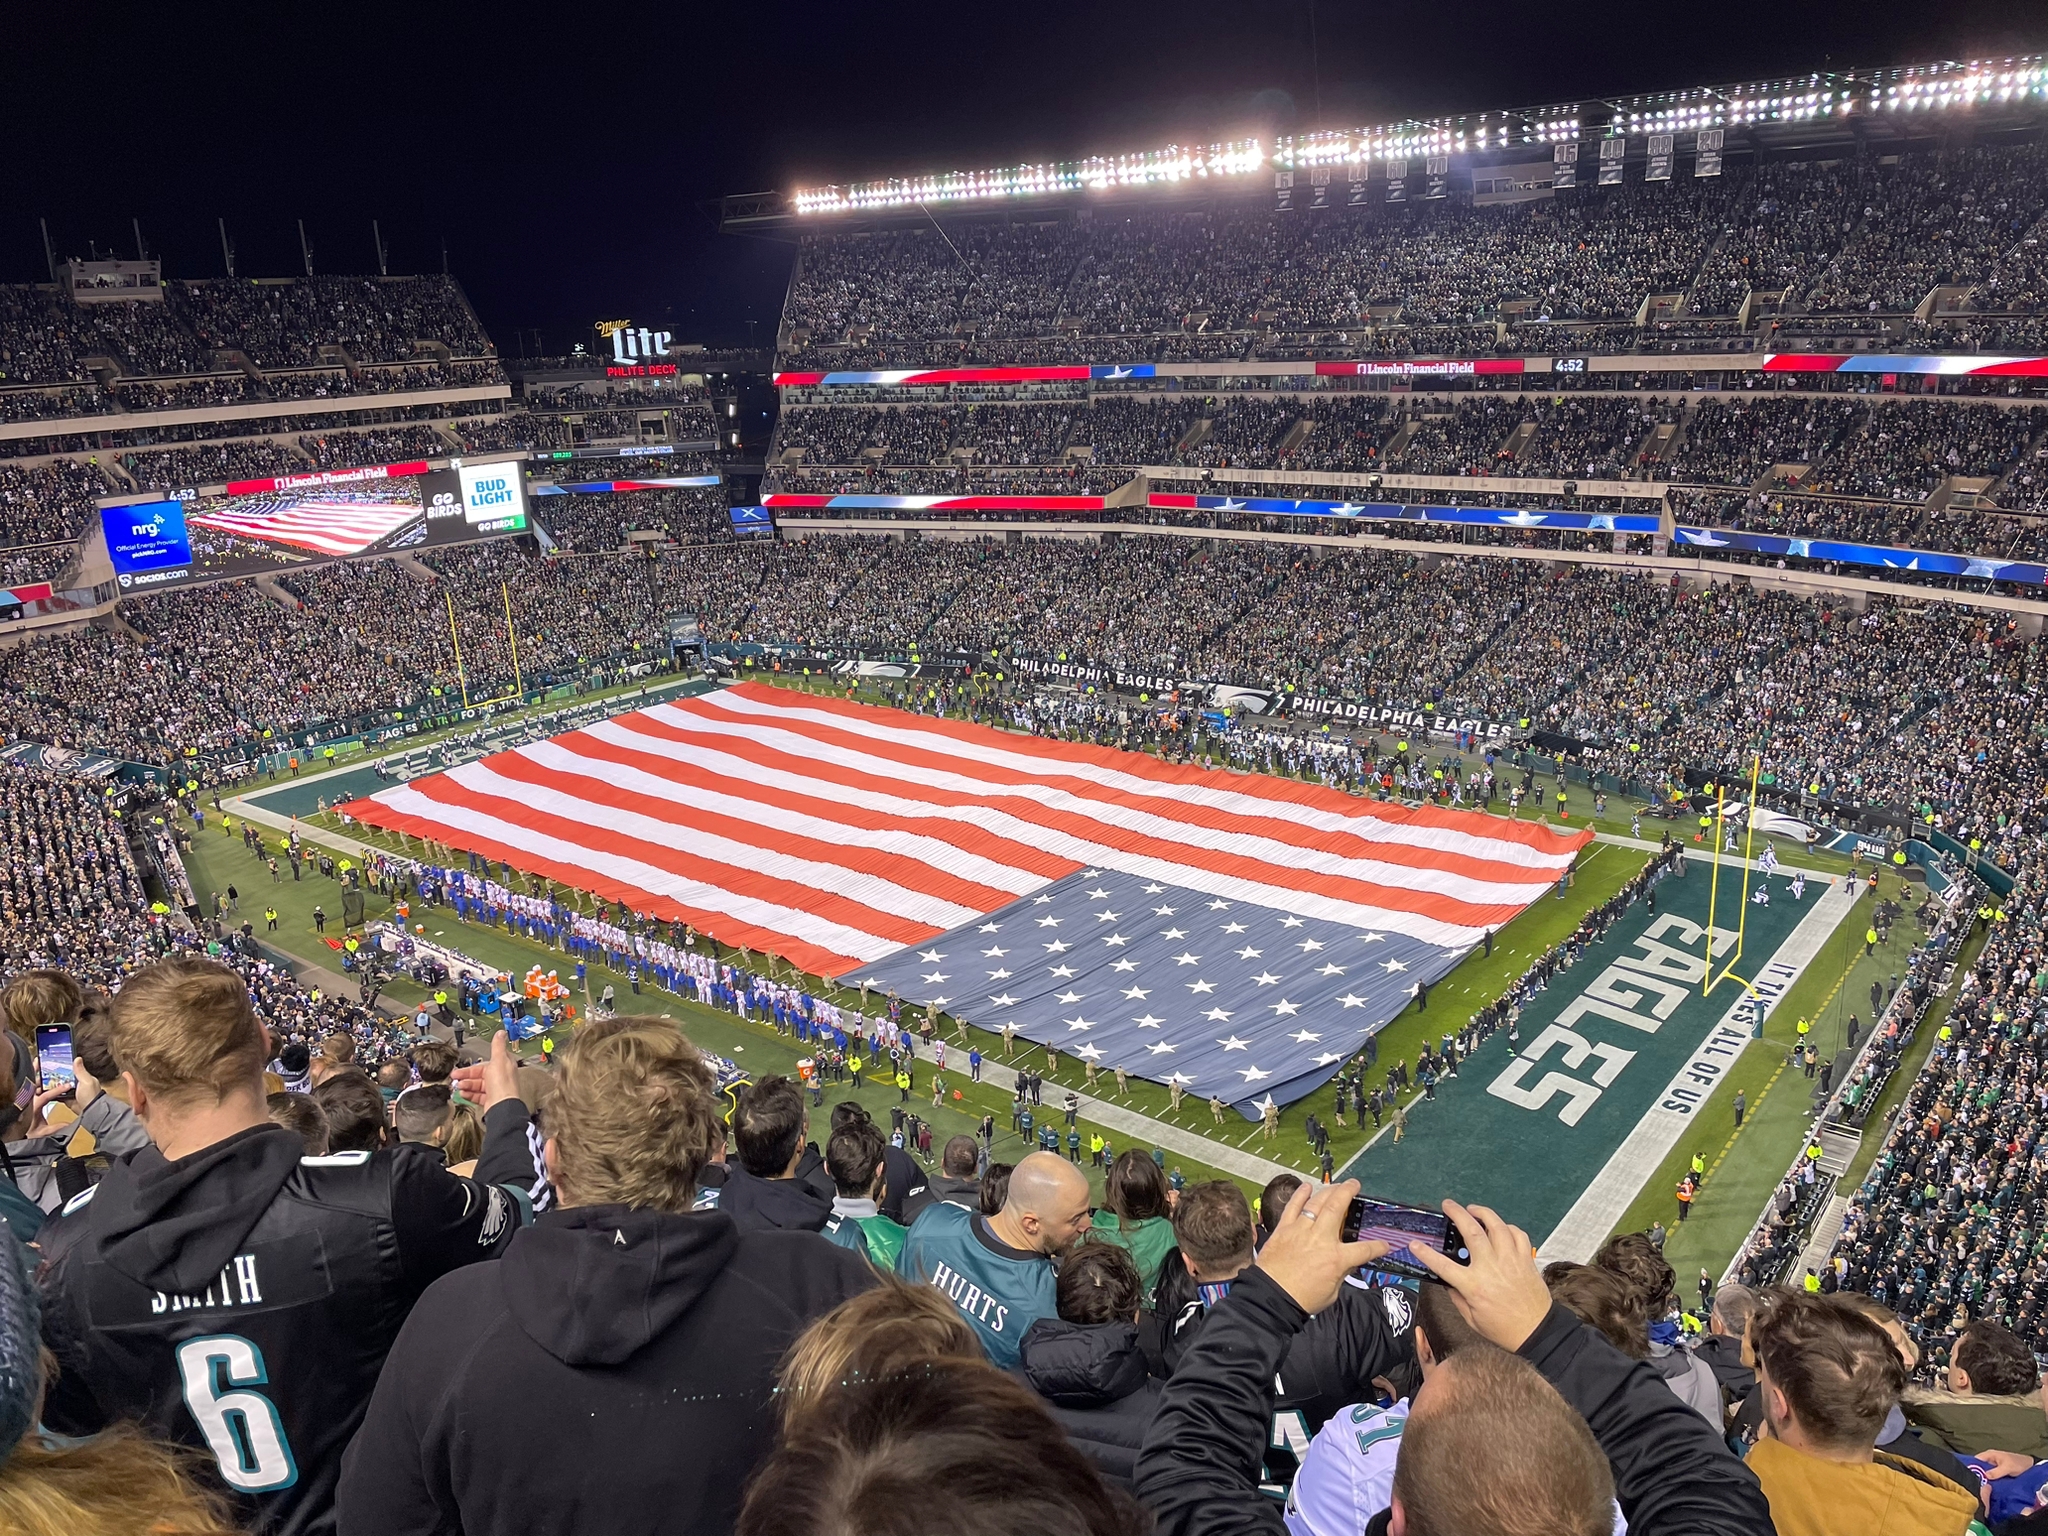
[631, 1117]
[118, 1483]
[889, 1331]
[465, 1141]
[39, 997]
[188, 1032]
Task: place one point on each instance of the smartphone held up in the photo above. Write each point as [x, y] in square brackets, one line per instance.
[1403, 1228]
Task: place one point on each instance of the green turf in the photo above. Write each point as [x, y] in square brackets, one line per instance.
[1744, 1167]
[219, 860]
[1604, 867]
[1475, 1141]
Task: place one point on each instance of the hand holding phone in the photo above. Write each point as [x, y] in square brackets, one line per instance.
[1308, 1254]
[55, 1070]
[1500, 1291]
[1404, 1229]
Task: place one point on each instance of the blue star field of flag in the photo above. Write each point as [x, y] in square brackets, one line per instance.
[1232, 999]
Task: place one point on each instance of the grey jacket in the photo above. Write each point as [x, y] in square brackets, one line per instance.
[115, 1131]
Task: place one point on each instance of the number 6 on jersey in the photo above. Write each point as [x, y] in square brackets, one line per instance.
[241, 1427]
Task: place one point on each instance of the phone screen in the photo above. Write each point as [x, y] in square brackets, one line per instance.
[1406, 1228]
[53, 1052]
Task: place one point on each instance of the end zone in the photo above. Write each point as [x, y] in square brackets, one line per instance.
[1586, 1225]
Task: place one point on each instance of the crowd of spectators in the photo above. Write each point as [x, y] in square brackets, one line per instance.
[375, 445]
[212, 464]
[51, 501]
[1933, 706]
[1845, 238]
[46, 339]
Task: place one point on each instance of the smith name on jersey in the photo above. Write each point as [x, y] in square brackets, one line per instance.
[241, 1300]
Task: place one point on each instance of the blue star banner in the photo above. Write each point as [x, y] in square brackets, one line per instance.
[1229, 998]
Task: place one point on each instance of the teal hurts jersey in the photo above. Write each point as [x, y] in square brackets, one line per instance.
[1001, 1290]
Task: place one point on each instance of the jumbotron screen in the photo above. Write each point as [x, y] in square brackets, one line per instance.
[255, 526]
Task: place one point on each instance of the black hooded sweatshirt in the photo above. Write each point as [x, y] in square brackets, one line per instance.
[1095, 1381]
[765, 1205]
[240, 1301]
[613, 1372]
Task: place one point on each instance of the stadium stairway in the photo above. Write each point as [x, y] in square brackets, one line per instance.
[1821, 1240]
[268, 586]
[1838, 1147]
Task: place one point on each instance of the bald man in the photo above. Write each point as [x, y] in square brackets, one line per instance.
[998, 1269]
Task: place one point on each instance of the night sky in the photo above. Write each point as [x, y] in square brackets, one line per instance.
[563, 152]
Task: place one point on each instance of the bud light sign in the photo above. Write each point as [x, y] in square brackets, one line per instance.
[147, 542]
[493, 500]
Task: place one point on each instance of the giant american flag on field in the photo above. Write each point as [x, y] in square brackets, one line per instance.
[328, 524]
[1239, 931]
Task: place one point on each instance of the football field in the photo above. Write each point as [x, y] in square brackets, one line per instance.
[1615, 1058]
[1561, 1129]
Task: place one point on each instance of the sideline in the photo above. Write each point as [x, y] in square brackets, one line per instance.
[1217, 1154]
[1642, 1152]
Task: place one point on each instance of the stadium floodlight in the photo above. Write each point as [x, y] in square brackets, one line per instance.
[1821, 94]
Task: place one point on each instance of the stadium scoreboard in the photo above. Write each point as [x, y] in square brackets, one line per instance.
[254, 526]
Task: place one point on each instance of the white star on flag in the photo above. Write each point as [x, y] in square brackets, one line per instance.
[1162, 1049]
[1307, 945]
[1125, 965]
[1327, 1058]
[1235, 1044]
[998, 975]
[932, 976]
[1057, 947]
[1303, 1037]
[1264, 979]
[1248, 953]
[1284, 1008]
[1092, 1053]
[1233, 927]
[1352, 1000]
[1290, 921]
[1154, 890]
[1097, 895]
[1199, 987]
[1253, 1074]
[1185, 958]
[1005, 1001]
[1138, 992]
[1393, 965]
[1148, 1021]
[995, 953]
[1077, 1022]
[1332, 969]
[990, 928]
[1069, 996]
[1048, 922]
[1116, 941]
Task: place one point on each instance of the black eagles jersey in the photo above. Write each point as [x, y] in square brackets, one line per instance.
[241, 1301]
